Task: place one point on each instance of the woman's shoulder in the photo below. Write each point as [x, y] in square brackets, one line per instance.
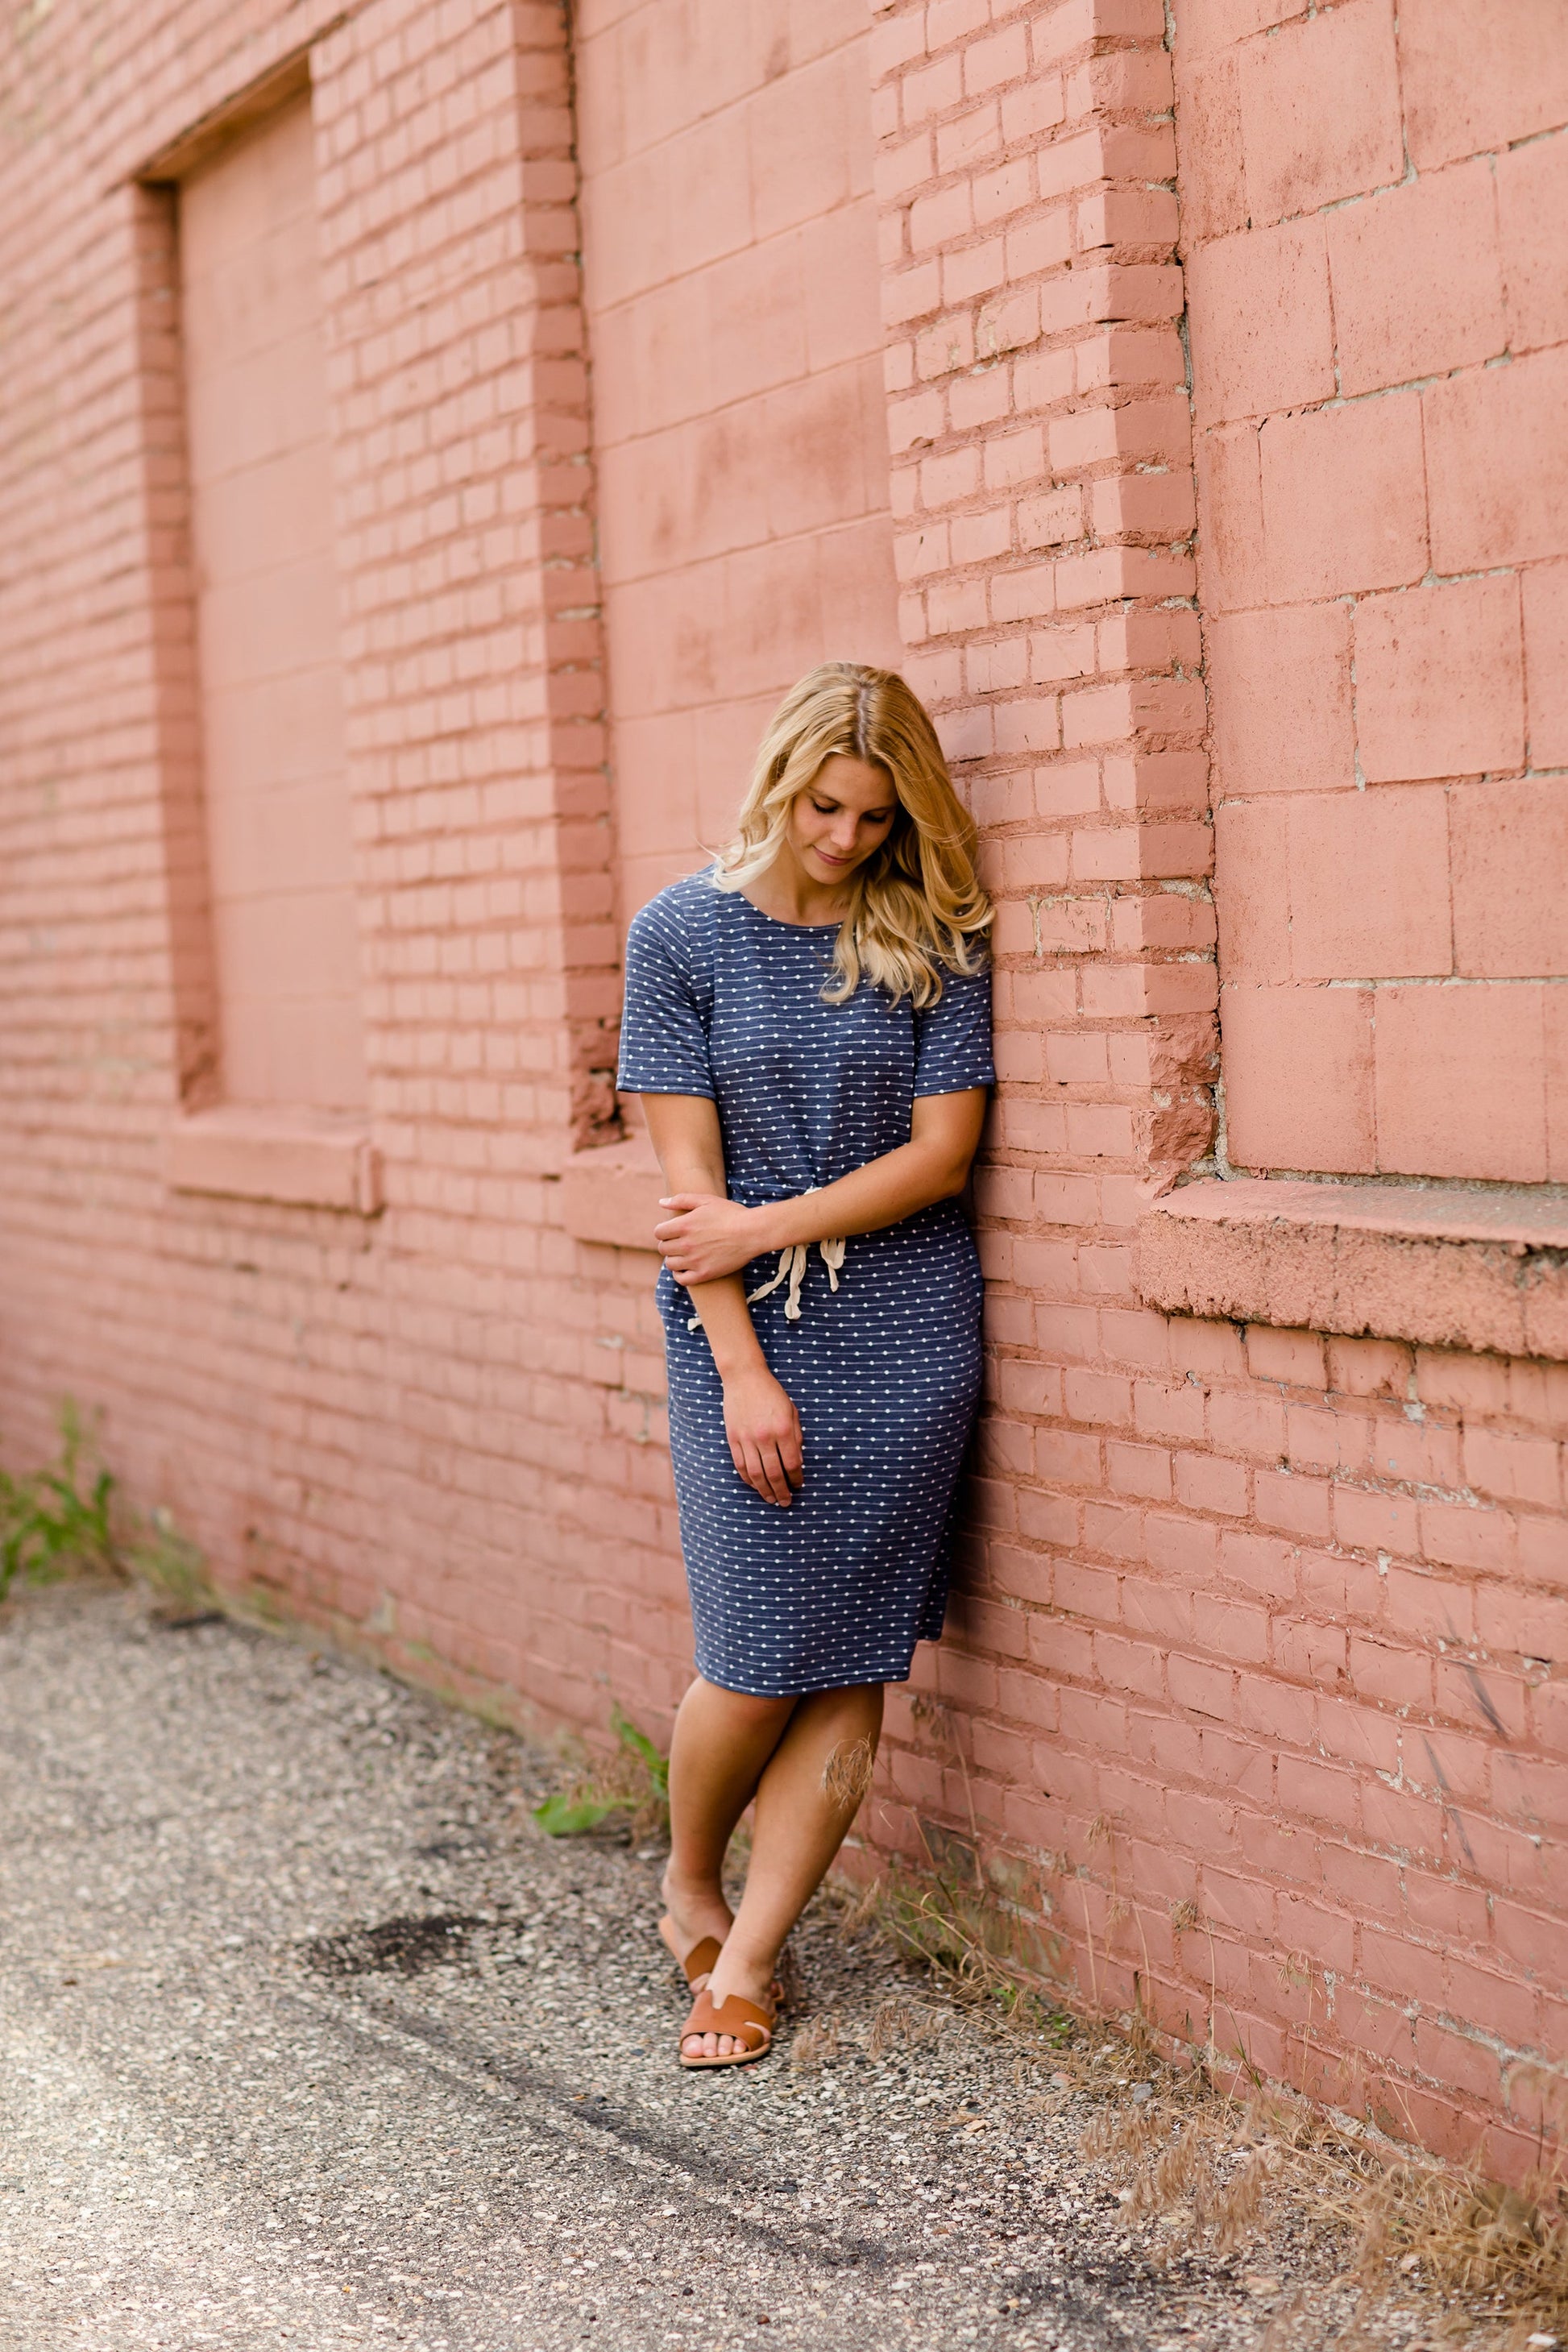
[678, 918]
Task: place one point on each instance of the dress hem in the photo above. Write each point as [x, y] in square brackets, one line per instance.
[809, 1689]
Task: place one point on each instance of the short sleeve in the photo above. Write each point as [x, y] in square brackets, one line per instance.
[953, 1036]
[664, 1041]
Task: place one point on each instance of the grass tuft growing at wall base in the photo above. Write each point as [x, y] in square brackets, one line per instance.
[68, 1518]
[630, 1786]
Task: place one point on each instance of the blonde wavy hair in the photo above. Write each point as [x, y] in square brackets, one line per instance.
[918, 907]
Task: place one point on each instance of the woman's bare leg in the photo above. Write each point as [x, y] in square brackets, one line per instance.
[723, 1742]
[807, 1797]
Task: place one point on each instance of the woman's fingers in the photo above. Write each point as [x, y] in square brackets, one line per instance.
[754, 1475]
[762, 1470]
[775, 1479]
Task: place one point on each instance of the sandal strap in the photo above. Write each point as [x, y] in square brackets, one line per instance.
[701, 1958]
[734, 2015]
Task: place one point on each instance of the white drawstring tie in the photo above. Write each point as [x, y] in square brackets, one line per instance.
[793, 1259]
[793, 1262]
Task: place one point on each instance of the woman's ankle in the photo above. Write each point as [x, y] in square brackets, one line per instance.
[749, 1974]
[692, 1887]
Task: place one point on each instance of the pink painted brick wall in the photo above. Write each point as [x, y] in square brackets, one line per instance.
[263, 550]
[1256, 1629]
[739, 434]
[1378, 313]
[1235, 1599]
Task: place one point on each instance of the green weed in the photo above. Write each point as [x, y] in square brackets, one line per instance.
[172, 1567]
[58, 1518]
[68, 1518]
[634, 1782]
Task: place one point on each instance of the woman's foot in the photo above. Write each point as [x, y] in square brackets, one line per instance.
[758, 1986]
[732, 2032]
[693, 1915]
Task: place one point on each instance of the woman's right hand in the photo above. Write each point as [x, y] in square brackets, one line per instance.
[763, 1429]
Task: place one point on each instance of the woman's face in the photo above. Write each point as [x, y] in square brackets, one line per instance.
[842, 818]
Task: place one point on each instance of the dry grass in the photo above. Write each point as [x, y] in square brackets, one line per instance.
[903, 2025]
[846, 1774]
[1206, 2171]
[814, 2043]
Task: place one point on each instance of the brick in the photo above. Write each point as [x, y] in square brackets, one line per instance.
[1511, 875]
[1453, 1535]
[1161, 1609]
[1371, 1520]
[1428, 1607]
[1369, 885]
[1176, 1411]
[1418, 287]
[1299, 1506]
[1202, 1689]
[1260, 1563]
[1482, 1698]
[1472, 78]
[1262, 332]
[1545, 598]
[1230, 508]
[1439, 681]
[1345, 495]
[1532, 194]
[1319, 111]
[1181, 1548]
[1310, 1792]
[1300, 1078]
[1459, 1082]
[1140, 1470]
[1310, 1652]
[1529, 1938]
[1496, 457]
[1205, 1483]
[1229, 1631]
[1371, 1368]
[1294, 1357]
[1279, 692]
[1251, 1422]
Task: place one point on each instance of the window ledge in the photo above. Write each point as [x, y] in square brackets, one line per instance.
[311, 1158]
[612, 1196]
[1484, 1270]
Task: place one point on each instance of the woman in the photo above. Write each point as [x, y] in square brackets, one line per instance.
[809, 1027]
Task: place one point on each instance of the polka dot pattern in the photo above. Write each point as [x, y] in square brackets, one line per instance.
[723, 1002]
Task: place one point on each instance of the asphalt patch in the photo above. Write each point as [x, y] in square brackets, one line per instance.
[404, 1946]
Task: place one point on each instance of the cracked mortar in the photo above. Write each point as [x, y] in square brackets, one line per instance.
[312, 2039]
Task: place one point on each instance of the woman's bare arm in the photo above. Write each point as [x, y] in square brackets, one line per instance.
[707, 1236]
[759, 1419]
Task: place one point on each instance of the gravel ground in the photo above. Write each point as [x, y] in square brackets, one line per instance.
[311, 2039]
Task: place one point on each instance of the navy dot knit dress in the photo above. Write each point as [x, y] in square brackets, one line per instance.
[723, 1001]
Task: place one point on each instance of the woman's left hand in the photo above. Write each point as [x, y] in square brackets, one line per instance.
[706, 1236]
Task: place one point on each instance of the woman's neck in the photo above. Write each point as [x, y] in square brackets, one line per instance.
[788, 893]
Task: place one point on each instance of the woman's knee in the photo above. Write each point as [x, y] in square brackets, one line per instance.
[747, 1709]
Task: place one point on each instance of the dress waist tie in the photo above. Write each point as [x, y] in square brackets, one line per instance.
[793, 1259]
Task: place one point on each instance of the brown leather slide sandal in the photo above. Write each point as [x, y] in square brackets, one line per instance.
[742, 2019]
[698, 1964]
